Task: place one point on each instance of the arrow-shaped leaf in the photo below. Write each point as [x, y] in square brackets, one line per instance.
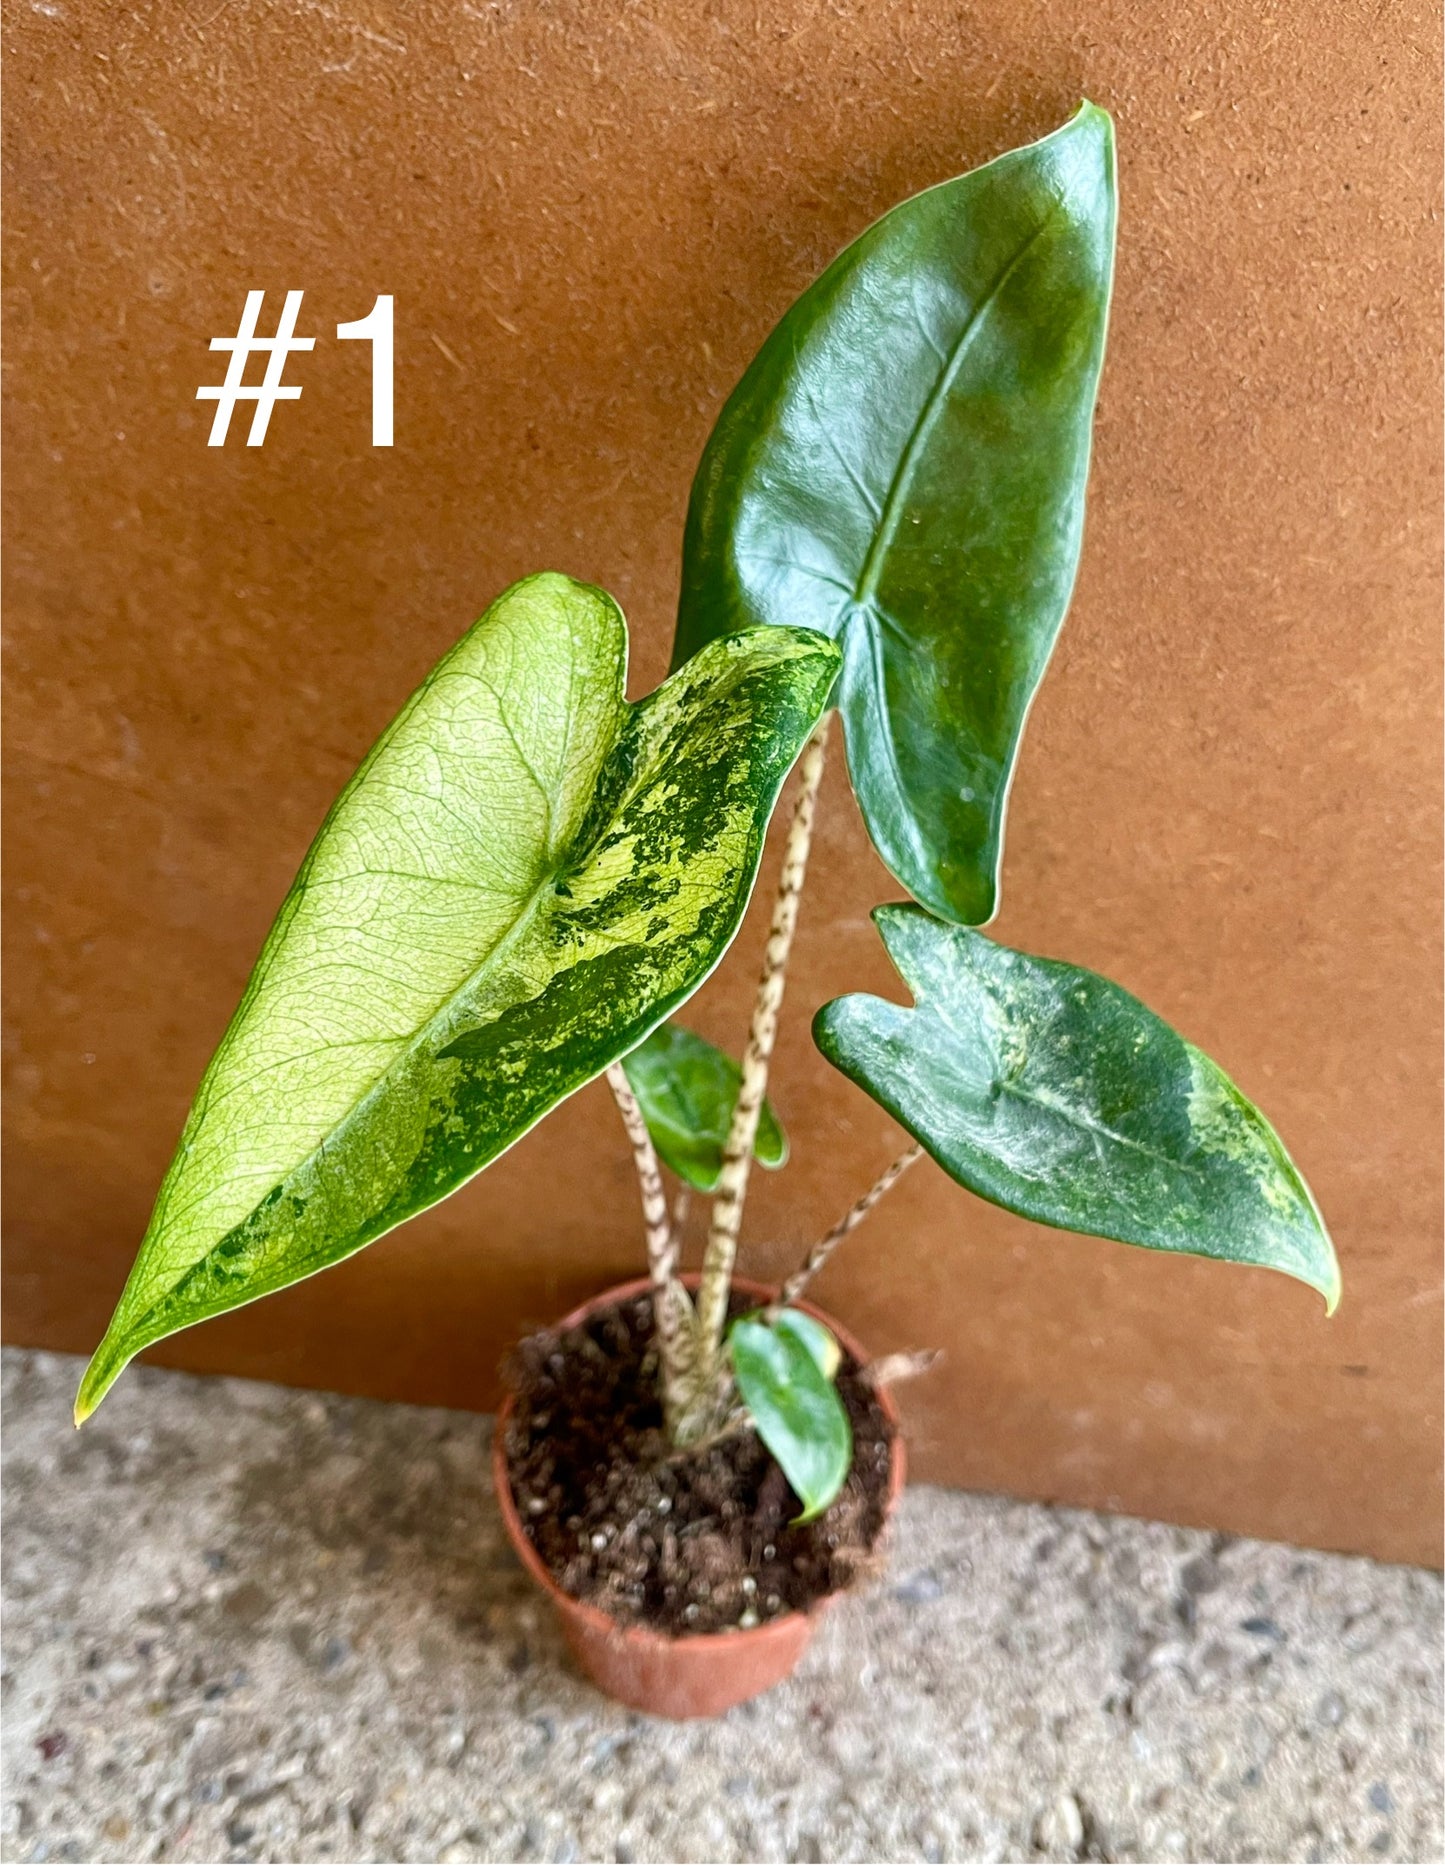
[1052, 1092]
[525, 875]
[687, 1090]
[902, 467]
[782, 1379]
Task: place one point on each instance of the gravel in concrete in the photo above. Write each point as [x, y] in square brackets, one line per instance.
[248, 1623]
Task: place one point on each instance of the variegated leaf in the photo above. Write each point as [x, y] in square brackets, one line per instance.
[524, 877]
[1052, 1092]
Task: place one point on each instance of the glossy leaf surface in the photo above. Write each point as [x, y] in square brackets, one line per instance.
[794, 1405]
[902, 467]
[525, 875]
[687, 1090]
[1054, 1093]
[818, 1340]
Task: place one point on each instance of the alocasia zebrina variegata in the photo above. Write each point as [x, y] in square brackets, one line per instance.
[528, 874]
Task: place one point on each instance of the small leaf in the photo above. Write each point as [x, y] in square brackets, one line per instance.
[687, 1091]
[902, 467]
[523, 878]
[795, 1407]
[1052, 1092]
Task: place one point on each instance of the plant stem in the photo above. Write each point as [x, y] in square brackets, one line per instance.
[849, 1222]
[727, 1210]
[672, 1318]
[661, 1250]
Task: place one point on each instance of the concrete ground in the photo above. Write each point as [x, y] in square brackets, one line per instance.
[243, 1622]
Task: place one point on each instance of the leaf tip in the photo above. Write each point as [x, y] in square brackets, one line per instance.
[1333, 1286]
[96, 1381]
[1093, 120]
[1329, 1284]
[1088, 136]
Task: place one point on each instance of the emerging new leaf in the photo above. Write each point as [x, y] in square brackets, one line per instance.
[783, 1377]
[525, 875]
[687, 1091]
[1052, 1092]
[903, 467]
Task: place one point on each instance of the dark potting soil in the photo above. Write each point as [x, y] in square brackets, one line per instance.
[684, 1541]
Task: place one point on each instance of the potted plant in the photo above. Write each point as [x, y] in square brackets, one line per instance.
[529, 874]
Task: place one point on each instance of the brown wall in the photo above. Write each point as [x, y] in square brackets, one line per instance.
[590, 212]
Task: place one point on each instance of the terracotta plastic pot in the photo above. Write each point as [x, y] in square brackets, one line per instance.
[699, 1674]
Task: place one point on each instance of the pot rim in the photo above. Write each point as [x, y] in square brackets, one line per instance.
[593, 1617]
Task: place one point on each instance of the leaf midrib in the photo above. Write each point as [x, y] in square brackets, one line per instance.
[1077, 1117]
[886, 528]
[576, 853]
[503, 947]
[415, 1045]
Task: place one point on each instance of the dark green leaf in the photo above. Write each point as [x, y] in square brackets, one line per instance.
[525, 875]
[687, 1091]
[795, 1407]
[902, 467]
[1054, 1093]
